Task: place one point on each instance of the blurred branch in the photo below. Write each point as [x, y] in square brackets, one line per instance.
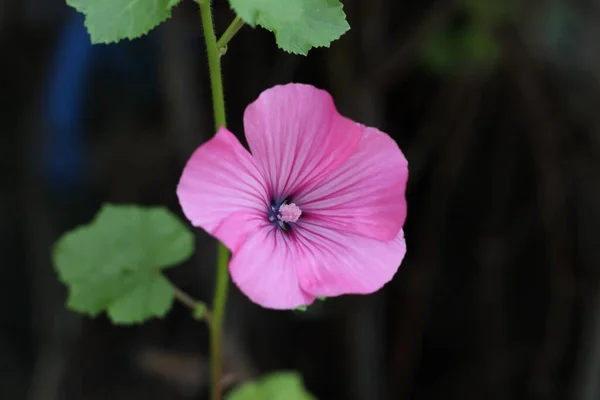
[373, 30]
[401, 51]
[586, 385]
[545, 135]
[56, 329]
[445, 112]
[186, 372]
[494, 257]
[419, 278]
[180, 71]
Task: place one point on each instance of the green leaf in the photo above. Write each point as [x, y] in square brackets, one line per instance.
[152, 296]
[305, 308]
[473, 46]
[110, 21]
[298, 25]
[440, 52]
[113, 263]
[492, 13]
[480, 46]
[275, 386]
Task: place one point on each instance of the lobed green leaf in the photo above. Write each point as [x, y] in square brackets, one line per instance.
[113, 264]
[298, 25]
[275, 386]
[110, 21]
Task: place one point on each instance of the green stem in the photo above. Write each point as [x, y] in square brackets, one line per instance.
[214, 64]
[233, 28]
[192, 304]
[184, 298]
[222, 279]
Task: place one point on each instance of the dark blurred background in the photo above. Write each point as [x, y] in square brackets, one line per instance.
[496, 104]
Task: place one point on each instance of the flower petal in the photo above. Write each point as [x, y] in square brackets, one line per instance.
[264, 269]
[219, 180]
[297, 136]
[366, 195]
[333, 263]
[235, 228]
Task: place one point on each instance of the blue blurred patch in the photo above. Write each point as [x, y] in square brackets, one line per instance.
[75, 60]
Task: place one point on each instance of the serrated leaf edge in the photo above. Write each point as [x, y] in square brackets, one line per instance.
[294, 51]
[128, 37]
[88, 225]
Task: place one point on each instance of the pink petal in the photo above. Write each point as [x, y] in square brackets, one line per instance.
[264, 269]
[234, 229]
[297, 136]
[221, 179]
[366, 195]
[334, 263]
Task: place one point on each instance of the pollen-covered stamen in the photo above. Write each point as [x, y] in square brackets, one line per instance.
[289, 213]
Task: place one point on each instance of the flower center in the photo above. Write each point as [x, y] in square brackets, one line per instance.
[284, 214]
[289, 212]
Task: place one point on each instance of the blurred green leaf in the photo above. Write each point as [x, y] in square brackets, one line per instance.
[275, 386]
[491, 13]
[440, 53]
[109, 21]
[480, 46]
[475, 45]
[113, 263]
[152, 296]
[298, 25]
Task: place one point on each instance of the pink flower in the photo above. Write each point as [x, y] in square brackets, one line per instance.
[317, 209]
